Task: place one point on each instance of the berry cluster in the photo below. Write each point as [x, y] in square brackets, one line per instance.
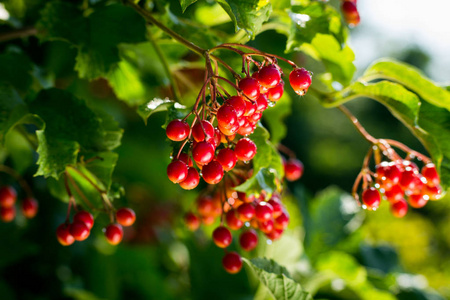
[350, 12]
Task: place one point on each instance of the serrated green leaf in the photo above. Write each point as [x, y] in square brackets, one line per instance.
[185, 3]
[277, 280]
[16, 70]
[247, 14]
[156, 105]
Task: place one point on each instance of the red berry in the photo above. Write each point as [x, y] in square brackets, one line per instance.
[275, 234]
[206, 206]
[114, 233]
[350, 13]
[238, 104]
[255, 117]
[203, 153]
[79, 230]
[177, 171]
[184, 157]
[250, 87]
[85, 217]
[63, 235]
[212, 173]
[232, 262]
[227, 159]
[248, 240]
[300, 80]
[191, 181]
[293, 169]
[250, 108]
[246, 129]
[394, 194]
[269, 76]
[409, 179]
[126, 216]
[230, 132]
[245, 149]
[399, 208]
[8, 196]
[29, 207]
[7, 214]
[266, 226]
[263, 211]
[277, 207]
[262, 103]
[430, 173]
[232, 220]
[275, 93]
[192, 221]
[246, 212]
[226, 116]
[197, 131]
[282, 221]
[417, 200]
[371, 198]
[177, 130]
[222, 237]
[433, 192]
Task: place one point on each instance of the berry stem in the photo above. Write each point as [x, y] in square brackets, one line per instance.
[286, 150]
[79, 192]
[71, 198]
[408, 150]
[95, 186]
[13, 173]
[358, 125]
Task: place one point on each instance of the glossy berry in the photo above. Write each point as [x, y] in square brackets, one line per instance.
[238, 104]
[250, 108]
[114, 233]
[222, 237]
[263, 211]
[274, 94]
[85, 217]
[212, 173]
[177, 130]
[394, 194]
[177, 171]
[262, 103]
[29, 207]
[79, 230]
[203, 153]
[245, 149]
[184, 157]
[433, 192]
[371, 198]
[250, 87]
[192, 221]
[191, 181]
[266, 226]
[399, 208]
[269, 76]
[63, 235]
[7, 214]
[300, 80]
[417, 200]
[206, 206]
[350, 12]
[227, 159]
[282, 221]
[293, 169]
[430, 173]
[275, 234]
[246, 212]
[232, 220]
[232, 262]
[8, 196]
[277, 207]
[197, 131]
[227, 116]
[125, 216]
[248, 240]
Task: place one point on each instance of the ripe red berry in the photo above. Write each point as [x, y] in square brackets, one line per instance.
[245, 149]
[266, 226]
[248, 240]
[126, 216]
[114, 233]
[371, 198]
[238, 104]
[227, 159]
[232, 220]
[85, 217]
[300, 80]
[197, 131]
[250, 108]
[184, 157]
[246, 212]
[230, 132]
[269, 76]
[212, 173]
[79, 230]
[177, 130]
[226, 116]
[177, 171]
[29, 207]
[7, 214]
[255, 117]
[417, 200]
[433, 192]
[394, 194]
[203, 153]
[262, 103]
[275, 234]
[282, 221]
[430, 173]
[274, 94]
[250, 87]
[222, 237]
[191, 181]
[263, 211]
[350, 12]
[63, 235]
[277, 207]
[192, 221]
[399, 208]
[8, 196]
[293, 169]
[232, 262]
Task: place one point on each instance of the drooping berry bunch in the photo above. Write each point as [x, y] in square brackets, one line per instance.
[350, 12]
[217, 138]
[397, 180]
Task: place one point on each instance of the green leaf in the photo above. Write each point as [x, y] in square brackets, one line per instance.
[185, 3]
[156, 105]
[247, 14]
[265, 179]
[12, 109]
[103, 167]
[277, 280]
[16, 70]
[274, 117]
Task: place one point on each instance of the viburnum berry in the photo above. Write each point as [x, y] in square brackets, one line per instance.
[433, 192]
[226, 116]
[177, 171]
[275, 93]
[262, 103]
[232, 262]
[7, 214]
[177, 130]
[417, 200]
[79, 230]
[246, 212]
[245, 149]
[350, 12]
[227, 159]
[29, 207]
[371, 198]
[238, 104]
[203, 153]
[206, 206]
[192, 221]
[8, 196]
[282, 221]
[63, 235]
[275, 234]
[293, 169]
[399, 208]
[126, 216]
[248, 240]
[212, 173]
[431, 175]
[197, 131]
[85, 217]
[277, 207]
[250, 87]
[263, 211]
[232, 220]
[222, 237]
[266, 226]
[184, 157]
[114, 233]
[394, 194]
[269, 76]
[300, 80]
[192, 180]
